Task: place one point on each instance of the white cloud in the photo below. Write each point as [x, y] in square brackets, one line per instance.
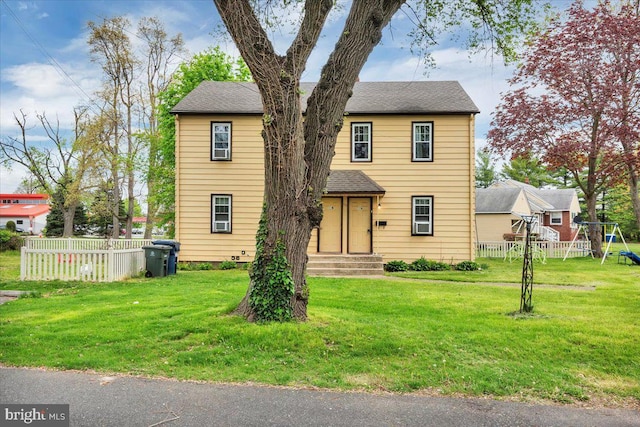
[36, 79]
[37, 87]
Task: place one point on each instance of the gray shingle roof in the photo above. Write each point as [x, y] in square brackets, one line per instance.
[560, 199]
[352, 181]
[424, 97]
[496, 200]
[542, 200]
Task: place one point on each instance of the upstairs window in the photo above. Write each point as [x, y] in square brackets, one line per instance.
[422, 142]
[555, 218]
[422, 215]
[220, 213]
[360, 142]
[220, 141]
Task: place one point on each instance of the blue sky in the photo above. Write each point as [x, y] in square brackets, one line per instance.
[45, 65]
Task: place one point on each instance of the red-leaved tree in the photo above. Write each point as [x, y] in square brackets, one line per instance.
[575, 102]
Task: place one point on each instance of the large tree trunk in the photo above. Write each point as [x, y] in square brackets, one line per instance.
[68, 213]
[595, 231]
[285, 196]
[298, 151]
[635, 196]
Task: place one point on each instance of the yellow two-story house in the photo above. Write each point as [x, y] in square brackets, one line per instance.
[401, 183]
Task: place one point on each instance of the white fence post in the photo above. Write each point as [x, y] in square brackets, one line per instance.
[23, 263]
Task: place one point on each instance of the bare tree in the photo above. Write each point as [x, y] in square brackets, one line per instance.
[59, 165]
[158, 55]
[111, 48]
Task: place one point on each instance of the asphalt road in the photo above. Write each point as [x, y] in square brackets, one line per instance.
[98, 400]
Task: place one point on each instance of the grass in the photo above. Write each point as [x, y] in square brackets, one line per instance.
[419, 335]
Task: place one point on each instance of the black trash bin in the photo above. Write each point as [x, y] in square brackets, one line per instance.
[157, 259]
[173, 254]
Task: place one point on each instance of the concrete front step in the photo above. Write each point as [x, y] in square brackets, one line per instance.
[345, 265]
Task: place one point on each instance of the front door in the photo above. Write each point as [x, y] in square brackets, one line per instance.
[359, 225]
[330, 235]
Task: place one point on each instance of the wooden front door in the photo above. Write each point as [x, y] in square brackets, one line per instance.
[330, 234]
[359, 225]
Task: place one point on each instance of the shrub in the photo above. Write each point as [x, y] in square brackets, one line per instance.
[195, 266]
[11, 226]
[204, 266]
[393, 266]
[10, 241]
[228, 265]
[467, 266]
[5, 235]
[421, 264]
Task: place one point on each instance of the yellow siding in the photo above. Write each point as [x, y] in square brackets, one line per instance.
[199, 177]
[521, 206]
[492, 227]
[449, 179]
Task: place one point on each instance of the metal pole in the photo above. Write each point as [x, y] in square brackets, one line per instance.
[527, 269]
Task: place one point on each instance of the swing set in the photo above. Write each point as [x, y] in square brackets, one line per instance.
[583, 226]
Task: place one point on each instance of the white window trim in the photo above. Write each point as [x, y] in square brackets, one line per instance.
[369, 143]
[220, 226]
[572, 215]
[415, 225]
[414, 143]
[227, 151]
[557, 215]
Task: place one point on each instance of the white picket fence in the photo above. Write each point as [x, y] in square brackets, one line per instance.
[503, 249]
[97, 260]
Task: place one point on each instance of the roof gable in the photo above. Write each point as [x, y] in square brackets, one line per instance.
[496, 200]
[560, 199]
[424, 97]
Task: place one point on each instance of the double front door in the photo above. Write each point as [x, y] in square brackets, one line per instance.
[357, 220]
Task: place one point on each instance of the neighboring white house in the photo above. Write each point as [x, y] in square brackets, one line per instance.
[28, 211]
[499, 211]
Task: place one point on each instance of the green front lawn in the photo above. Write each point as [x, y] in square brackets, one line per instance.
[394, 334]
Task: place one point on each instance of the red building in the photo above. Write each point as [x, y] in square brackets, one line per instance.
[28, 211]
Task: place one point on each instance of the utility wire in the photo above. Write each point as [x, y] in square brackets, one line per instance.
[52, 61]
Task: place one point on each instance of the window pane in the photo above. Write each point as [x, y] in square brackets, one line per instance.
[361, 151]
[361, 141]
[422, 140]
[422, 211]
[221, 140]
[422, 151]
[221, 213]
[422, 133]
